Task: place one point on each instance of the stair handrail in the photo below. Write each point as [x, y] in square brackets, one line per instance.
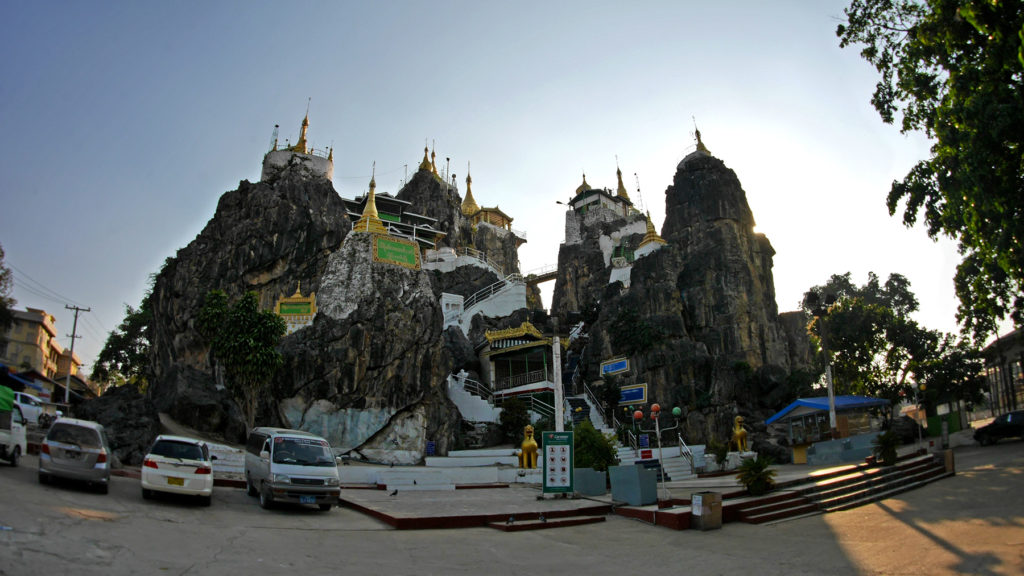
[483, 257]
[541, 407]
[592, 399]
[684, 450]
[478, 388]
[634, 442]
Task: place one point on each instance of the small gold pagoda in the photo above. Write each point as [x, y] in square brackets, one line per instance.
[296, 310]
[370, 221]
[652, 236]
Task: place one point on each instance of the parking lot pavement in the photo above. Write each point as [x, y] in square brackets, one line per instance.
[964, 524]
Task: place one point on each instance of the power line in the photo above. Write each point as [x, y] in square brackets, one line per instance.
[39, 288]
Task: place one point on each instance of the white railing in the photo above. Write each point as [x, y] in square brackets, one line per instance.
[592, 399]
[481, 256]
[480, 389]
[546, 269]
[684, 450]
[511, 279]
[523, 379]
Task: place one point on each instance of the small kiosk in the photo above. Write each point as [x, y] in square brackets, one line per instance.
[807, 427]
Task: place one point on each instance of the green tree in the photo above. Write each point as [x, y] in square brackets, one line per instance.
[591, 448]
[124, 358]
[243, 340]
[513, 419]
[6, 301]
[954, 70]
[877, 350]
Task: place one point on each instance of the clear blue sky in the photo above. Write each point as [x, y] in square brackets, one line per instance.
[124, 122]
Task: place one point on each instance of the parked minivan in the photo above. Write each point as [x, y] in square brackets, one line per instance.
[291, 466]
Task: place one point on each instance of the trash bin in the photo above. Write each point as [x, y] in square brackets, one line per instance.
[706, 510]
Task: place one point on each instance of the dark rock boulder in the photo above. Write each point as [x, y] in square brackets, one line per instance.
[131, 421]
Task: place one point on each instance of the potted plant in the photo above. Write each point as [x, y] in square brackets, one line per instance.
[885, 447]
[756, 476]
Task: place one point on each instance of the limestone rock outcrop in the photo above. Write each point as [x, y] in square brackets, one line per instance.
[696, 317]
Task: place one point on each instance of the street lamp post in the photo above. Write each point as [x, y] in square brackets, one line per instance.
[655, 412]
[820, 312]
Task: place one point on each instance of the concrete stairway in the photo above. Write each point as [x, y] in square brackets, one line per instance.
[845, 489]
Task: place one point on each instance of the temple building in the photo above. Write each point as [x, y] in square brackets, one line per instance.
[297, 310]
[493, 216]
[317, 161]
[385, 214]
[588, 198]
[517, 361]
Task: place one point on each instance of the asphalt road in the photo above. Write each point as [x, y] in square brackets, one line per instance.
[972, 523]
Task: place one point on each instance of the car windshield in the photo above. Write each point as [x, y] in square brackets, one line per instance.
[177, 449]
[71, 434]
[302, 451]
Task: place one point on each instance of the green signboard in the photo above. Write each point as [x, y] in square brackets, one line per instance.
[396, 251]
[296, 308]
[558, 462]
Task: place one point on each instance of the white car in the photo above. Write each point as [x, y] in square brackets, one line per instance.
[178, 465]
[31, 407]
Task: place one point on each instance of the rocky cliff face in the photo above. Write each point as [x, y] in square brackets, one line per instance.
[266, 237]
[697, 318]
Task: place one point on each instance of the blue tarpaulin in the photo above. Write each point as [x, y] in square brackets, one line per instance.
[843, 403]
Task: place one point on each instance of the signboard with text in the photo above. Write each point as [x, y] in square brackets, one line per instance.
[396, 251]
[614, 366]
[635, 394]
[558, 463]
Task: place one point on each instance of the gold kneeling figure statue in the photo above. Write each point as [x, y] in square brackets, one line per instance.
[739, 435]
[528, 454]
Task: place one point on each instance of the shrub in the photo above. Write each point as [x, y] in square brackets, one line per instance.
[592, 448]
[885, 447]
[756, 476]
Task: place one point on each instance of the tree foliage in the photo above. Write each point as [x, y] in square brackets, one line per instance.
[954, 70]
[591, 448]
[877, 350]
[124, 358]
[6, 301]
[513, 419]
[243, 340]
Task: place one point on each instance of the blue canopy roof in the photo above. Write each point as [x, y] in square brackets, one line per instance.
[821, 403]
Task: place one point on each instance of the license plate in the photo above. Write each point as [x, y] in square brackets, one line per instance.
[176, 481]
[307, 499]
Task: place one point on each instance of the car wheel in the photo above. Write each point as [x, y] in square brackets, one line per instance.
[103, 488]
[44, 478]
[147, 493]
[986, 440]
[14, 456]
[325, 507]
[205, 500]
[266, 498]
[250, 488]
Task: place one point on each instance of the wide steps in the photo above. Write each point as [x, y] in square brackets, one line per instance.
[861, 498]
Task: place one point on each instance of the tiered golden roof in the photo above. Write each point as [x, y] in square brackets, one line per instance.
[522, 330]
[300, 145]
[469, 205]
[652, 234]
[583, 187]
[622, 188]
[370, 220]
[425, 165]
[700, 145]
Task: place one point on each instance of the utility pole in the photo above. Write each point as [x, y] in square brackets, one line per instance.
[71, 354]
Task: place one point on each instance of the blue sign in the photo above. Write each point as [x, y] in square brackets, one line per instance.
[431, 448]
[635, 394]
[645, 441]
[614, 366]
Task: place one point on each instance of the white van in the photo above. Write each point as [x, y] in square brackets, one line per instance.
[291, 466]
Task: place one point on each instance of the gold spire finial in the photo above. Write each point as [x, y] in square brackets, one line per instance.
[300, 145]
[425, 165]
[469, 205]
[652, 234]
[370, 220]
[298, 289]
[583, 187]
[622, 187]
[700, 144]
[433, 163]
